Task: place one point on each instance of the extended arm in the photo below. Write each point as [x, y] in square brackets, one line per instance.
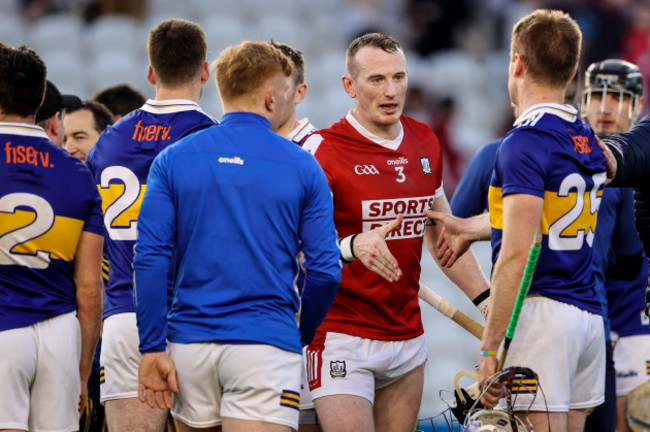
[371, 248]
[521, 219]
[631, 150]
[87, 265]
[456, 235]
[466, 274]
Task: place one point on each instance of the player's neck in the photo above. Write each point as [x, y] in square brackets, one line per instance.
[385, 131]
[534, 94]
[186, 92]
[288, 127]
[10, 118]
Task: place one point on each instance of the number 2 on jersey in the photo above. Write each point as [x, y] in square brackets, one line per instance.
[121, 213]
[559, 237]
[40, 224]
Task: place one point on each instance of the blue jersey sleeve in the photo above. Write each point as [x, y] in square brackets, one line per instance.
[153, 254]
[632, 153]
[521, 161]
[319, 244]
[471, 195]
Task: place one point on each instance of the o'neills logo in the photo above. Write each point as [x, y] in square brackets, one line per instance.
[376, 213]
[401, 161]
[235, 160]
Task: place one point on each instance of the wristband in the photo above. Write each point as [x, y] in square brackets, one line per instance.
[347, 248]
[487, 353]
[481, 301]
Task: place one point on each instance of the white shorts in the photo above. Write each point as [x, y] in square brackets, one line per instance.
[632, 362]
[342, 364]
[39, 372]
[119, 358]
[565, 346]
[306, 402]
[247, 382]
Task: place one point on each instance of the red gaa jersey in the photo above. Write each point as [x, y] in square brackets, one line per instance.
[372, 181]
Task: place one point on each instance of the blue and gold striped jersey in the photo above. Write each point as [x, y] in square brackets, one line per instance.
[553, 155]
[47, 198]
[120, 163]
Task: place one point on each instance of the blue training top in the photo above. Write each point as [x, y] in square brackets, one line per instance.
[236, 203]
[551, 154]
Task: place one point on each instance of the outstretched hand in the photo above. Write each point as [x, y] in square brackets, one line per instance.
[371, 248]
[610, 159]
[157, 380]
[451, 243]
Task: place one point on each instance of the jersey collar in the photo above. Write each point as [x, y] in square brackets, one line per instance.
[22, 129]
[389, 144]
[565, 112]
[303, 129]
[170, 106]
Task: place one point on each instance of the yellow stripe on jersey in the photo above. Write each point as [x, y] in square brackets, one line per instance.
[113, 193]
[554, 208]
[60, 240]
[495, 204]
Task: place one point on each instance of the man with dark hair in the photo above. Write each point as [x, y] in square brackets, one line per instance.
[294, 129]
[83, 126]
[234, 203]
[51, 112]
[120, 164]
[366, 366]
[50, 298]
[120, 99]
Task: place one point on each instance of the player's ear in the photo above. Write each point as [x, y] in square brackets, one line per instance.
[205, 73]
[301, 91]
[575, 70]
[518, 64]
[150, 76]
[347, 85]
[269, 99]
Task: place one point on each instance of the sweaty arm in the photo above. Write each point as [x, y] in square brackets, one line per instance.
[631, 150]
[87, 264]
[521, 219]
[466, 273]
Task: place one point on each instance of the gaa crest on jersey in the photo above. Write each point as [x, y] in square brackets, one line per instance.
[426, 167]
[337, 369]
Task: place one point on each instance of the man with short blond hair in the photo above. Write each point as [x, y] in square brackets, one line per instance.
[234, 349]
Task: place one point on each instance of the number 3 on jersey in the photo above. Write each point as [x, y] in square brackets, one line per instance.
[401, 177]
[121, 199]
[569, 230]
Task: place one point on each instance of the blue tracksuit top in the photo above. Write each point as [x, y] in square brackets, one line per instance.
[236, 202]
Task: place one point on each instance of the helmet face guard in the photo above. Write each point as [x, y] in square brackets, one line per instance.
[612, 77]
